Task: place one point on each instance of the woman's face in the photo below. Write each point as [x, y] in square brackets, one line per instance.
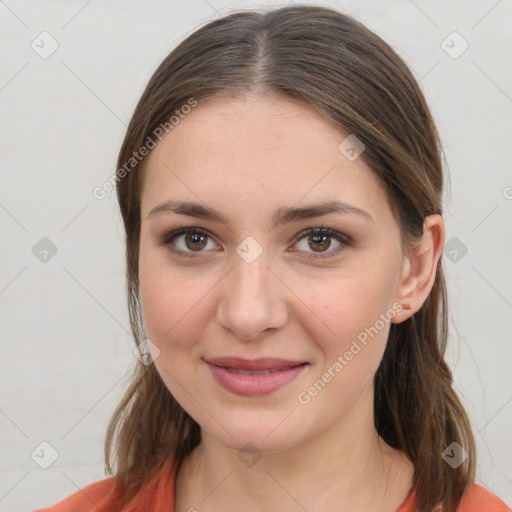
[252, 283]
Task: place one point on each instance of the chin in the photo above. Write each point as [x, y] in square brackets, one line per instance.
[254, 441]
[266, 433]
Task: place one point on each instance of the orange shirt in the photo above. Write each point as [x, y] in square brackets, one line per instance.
[158, 496]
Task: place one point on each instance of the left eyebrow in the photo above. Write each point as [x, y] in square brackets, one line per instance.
[281, 215]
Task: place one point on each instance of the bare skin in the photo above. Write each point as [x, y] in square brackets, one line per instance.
[247, 158]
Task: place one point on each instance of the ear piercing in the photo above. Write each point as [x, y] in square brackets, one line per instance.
[406, 306]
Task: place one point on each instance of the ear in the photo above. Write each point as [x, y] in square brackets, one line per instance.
[418, 271]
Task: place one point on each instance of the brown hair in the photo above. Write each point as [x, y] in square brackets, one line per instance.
[349, 75]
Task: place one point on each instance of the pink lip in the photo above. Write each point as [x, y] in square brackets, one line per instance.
[225, 373]
[263, 363]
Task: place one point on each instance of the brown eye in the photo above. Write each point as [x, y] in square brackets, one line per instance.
[195, 241]
[319, 243]
[315, 242]
[189, 242]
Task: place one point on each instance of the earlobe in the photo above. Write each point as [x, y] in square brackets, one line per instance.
[419, 270]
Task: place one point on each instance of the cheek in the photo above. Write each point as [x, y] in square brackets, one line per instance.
[172, 300]
[175, 318]
[341, 306]
[349, 317]
[173, 314]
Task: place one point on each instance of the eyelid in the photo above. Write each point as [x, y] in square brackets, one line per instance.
[171, 235]
[344, 240]
[169, 238]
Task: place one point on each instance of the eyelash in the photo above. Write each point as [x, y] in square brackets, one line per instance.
[346, 241]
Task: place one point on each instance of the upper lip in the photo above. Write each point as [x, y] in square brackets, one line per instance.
[263, 363]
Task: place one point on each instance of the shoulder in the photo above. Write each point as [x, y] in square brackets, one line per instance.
[476, 499]
[102, 495]
[479, 499]
[94, 497]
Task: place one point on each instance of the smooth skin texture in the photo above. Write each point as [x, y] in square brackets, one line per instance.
[247, 157]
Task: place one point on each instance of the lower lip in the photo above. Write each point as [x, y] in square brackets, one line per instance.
[254, 385]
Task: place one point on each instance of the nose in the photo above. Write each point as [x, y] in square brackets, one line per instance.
[252, 300]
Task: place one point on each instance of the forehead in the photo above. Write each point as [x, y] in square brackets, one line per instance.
[237, 153]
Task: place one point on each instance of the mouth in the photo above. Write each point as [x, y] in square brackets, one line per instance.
[259, 372]
[255, 365]
[254, 377]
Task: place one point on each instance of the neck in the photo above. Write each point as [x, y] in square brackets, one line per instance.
[348, 465]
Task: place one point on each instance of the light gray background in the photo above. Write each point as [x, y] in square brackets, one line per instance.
[66, 347]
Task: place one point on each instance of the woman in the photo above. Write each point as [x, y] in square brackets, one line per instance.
[280, 184]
